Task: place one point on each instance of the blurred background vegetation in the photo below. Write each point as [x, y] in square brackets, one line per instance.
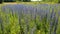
[56, 1]
[14, 21]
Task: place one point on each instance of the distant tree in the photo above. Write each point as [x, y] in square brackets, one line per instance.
[58, 1]
[9, 0]
[25, 0]
[0, 1]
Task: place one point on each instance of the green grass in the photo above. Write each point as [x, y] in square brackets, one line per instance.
[13, 24]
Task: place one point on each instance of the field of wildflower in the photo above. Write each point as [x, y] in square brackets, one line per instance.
[30, 19]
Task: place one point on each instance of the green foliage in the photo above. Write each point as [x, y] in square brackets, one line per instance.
[9, 23]
[56, 1]
[24, 24]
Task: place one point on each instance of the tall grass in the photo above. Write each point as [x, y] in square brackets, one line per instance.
[29, 19]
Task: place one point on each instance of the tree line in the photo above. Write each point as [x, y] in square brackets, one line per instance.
[58, 1]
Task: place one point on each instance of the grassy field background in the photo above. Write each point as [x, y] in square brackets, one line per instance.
[30, 18]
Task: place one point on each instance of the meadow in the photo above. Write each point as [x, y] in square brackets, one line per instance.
[30, 19]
